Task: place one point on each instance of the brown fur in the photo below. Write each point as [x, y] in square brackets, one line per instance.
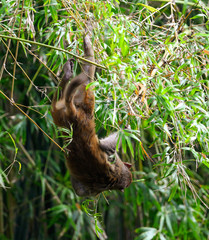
[89, 160]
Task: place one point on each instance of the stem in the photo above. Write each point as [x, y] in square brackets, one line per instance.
[52, 47]
[182, 2]
[13, 103]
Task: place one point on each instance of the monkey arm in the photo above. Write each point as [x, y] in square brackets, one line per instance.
[68, 73]
[88, 69]
[76, 90]
[70, 92]
[58, 101]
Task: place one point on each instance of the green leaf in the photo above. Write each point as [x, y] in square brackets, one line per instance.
[92, 84]
[147, 233]
[124, 144]
[151, 9]
[173, 192]
[130, 146]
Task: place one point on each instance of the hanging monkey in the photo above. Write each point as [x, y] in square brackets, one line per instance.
[94, 164]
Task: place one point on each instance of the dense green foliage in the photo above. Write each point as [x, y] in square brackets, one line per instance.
[155, 82]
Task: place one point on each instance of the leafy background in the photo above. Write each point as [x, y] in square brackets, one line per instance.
[154, 81]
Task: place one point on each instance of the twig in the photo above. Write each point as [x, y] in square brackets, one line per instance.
[13, 103]
[52, 47]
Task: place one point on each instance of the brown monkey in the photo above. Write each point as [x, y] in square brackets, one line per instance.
[94, 164]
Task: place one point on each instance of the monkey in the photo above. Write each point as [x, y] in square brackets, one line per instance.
[94, 164]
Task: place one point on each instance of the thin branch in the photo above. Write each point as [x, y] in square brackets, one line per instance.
[50, 189]
[31, 81]
[182, 2]
[16, 53]
[13, 103]
[52, 47]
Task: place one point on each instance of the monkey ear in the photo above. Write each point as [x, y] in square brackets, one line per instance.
[128, 165]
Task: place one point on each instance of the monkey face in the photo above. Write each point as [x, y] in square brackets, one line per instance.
[98, 185]
[125, 177]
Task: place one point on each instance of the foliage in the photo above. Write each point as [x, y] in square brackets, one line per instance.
[153, 89]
